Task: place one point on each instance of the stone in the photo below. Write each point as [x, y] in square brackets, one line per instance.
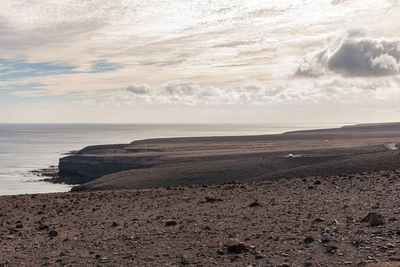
[184, 261]
[308, 240]
[318, 220]
[212, 199]
[258, 256]
[325, 238]
[254, 204]
[331, 249]
[235, 247]
[53, 233]
[374, 219]
[43, 227]
[334, 222]
[395, 258]
[170, 223]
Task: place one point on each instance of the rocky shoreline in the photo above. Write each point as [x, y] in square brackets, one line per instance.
[215, 160]
[313, 198]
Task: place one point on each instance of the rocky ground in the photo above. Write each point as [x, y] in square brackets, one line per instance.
[316, 221]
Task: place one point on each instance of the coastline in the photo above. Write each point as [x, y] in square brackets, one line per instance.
[292, 217]
[186, 161]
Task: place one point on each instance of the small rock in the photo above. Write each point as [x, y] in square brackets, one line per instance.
[331, 249]
[254, 204]
[184, 261]
[114, 224]
[308, 240]
[325, 238]
[317, 182]
[258, 255]
[318, 220]
[395, 258]
[212, 199]
[170, 223]
[53, 233]
[43, 227]
[390, 245]
[393, 219]
[334, 223]
[236, 247]
[374, 219]
[19, 226]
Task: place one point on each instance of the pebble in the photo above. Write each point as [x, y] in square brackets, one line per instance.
[374, 219]
[235, 247]
[53, 233]
[331, 249]
[308, 240]
[325, 238]
[170, 223]
[318, 220]
[43, 227]
[254, 204]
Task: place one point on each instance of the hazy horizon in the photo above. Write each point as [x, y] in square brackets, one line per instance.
[131, 61]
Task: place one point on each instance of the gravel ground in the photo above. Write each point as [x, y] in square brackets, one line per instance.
[315, 221]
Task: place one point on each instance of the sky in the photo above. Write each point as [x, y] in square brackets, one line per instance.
[183, 61]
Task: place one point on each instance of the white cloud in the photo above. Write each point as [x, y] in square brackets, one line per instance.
[334, 90]
[314, 63]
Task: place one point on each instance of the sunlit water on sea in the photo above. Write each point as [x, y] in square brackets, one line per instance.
[27, 147]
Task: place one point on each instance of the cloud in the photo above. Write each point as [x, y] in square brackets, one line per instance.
[141, 89]
[356, 56]
[335, 89]
[337, 2]
[313, 63]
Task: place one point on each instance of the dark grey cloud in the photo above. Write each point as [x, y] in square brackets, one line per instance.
[356, 56]
[139, 89]
[366, 58]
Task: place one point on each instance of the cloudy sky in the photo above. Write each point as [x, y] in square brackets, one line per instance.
[199, 61]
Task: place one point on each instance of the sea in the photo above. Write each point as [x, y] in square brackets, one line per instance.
[28, 147]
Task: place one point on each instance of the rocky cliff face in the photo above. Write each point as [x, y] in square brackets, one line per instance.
[91, 163]
[211, 160]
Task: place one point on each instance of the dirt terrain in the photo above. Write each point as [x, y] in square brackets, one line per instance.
[316, 221]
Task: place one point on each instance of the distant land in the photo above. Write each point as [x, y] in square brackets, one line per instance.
[216, 160]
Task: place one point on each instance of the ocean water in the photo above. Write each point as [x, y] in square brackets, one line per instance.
[27, 147]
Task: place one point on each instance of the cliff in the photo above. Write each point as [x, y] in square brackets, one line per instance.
[215, 160]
